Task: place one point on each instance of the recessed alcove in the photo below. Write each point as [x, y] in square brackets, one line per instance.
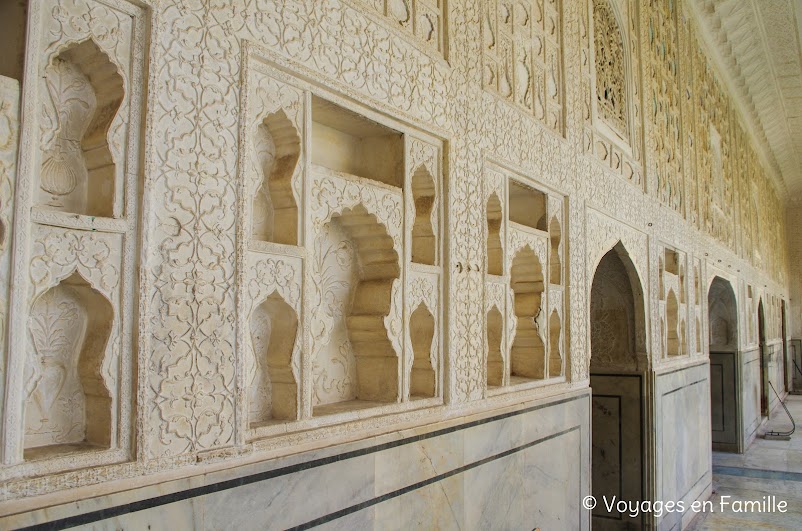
[68, 408]
[347, 142]
[672, 333]
[359, 245]
[660, 281]
[424, 242]
[672, 262]
[274, 391]
[495, 363]
[555, 264]
[527, 355]
[682, 284]
[277, 147]
[527, 206]
[78, 172]
[421, 330]
[555, 356]
[495, 253]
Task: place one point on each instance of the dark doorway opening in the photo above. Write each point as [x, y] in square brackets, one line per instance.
[724, 363]
[617, 377]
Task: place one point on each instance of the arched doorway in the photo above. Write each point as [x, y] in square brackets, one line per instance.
[761, 332]
[722, 312]
[617, 377]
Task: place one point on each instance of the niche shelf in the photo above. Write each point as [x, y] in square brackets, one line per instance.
[527, 206]
[79, 172]
[274, 391]
[495, 334]
[343, 298]
[528, 353]
[495, 252]
[421, 329]
[69, 407]
[277, 146]
[350, 143]
[524, 282]
[369, 355]
[424, 242]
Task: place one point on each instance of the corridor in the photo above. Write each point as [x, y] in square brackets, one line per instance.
[768, 468]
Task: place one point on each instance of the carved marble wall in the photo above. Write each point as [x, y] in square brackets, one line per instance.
[237, 229]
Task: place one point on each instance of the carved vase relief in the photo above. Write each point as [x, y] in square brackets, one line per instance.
[68, 402]
[79, 172]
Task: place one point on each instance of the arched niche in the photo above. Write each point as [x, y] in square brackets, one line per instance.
[78, 172]
[495, 252]
[495, 333]
[555, 350]
[424, 241]
[555, 263]
[528, 353]
[367, 253]
[617, 318]
[274, 390]
[423, 382]
[660, 278]
[673, 343]
[722, 316]
[277, 146]
[69, 406]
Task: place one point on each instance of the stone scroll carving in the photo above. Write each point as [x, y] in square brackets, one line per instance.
[77, 239]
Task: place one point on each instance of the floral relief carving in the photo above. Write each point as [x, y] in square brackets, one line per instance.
[611, 93]
[516, 74]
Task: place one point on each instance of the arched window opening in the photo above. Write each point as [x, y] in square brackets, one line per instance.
[424, 243]
[495, 253]
[528, 353]
[423, 383]
[495, 362]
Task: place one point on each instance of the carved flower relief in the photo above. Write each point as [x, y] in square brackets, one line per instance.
[55, 408]
[57, 252]
[333, 275]
[74, 102]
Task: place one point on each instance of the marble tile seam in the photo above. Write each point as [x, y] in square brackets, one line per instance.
[149, 503]
[757, 473]
[434, 479]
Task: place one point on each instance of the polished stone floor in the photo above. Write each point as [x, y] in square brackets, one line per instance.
[768, 468]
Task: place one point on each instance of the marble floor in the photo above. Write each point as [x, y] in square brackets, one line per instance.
[768, 468]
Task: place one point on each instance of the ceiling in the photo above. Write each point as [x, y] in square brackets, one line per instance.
[756, 44]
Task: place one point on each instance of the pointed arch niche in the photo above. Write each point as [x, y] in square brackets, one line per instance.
[528, 353]
[274, 390]
[364, 249]
[618, 368]
[78, 173]
[495, 252]
[274, 212]
[423, 383]
[555, 345]
[555, 263]
[617, 319]
[69, 407]
[673, 346]
[495, 362]
[424, 242]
